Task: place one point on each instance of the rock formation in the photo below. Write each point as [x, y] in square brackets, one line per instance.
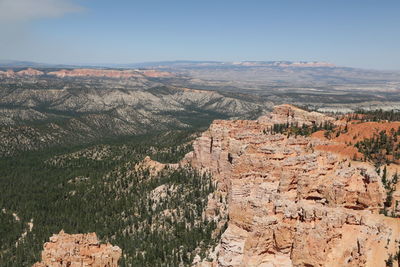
[8, 73]
[30, 72]
[291, 114]
[290, 203]
[66, 250]
[26, 72]
[154, 167]
[89, 73]
[109, 73]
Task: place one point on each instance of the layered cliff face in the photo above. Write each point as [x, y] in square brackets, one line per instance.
[66, 250]
[291, 203]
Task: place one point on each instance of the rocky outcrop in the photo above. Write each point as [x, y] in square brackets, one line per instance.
[8, 73]
[30, 72]
[95, 73]
[66, 250]
[27, 72]
[291, 114]
[154, 167]
[291, 204]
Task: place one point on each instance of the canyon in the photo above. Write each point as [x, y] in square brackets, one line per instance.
[291, 200]
[281, 197]
[84, 105]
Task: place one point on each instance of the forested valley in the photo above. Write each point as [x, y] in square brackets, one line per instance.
[98, 188]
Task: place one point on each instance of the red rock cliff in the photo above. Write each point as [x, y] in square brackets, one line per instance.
[290, 204]
[66, 250]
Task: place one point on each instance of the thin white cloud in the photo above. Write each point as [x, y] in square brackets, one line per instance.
[15, 11]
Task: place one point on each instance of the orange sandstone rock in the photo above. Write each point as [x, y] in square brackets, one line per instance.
[64, 250]
[30, 72]
[8, 73]
[290, 204]
[27, 72]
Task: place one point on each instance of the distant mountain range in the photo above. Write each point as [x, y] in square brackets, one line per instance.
[178, 63]
[16, 64]
[188, 63]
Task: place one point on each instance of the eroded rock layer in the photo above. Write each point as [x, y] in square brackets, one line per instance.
[111, 73]
[290, 203]
[108, 73]
[64, 250]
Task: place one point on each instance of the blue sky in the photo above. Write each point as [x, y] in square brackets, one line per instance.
[357, 33]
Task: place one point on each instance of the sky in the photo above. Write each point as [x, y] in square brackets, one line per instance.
[354, 33]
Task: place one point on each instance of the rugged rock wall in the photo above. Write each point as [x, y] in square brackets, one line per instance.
[290, 204]
[66, 250]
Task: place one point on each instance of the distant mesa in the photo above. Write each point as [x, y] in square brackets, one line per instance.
[8, 73]
[304, 64]
[89, 73]
[27, 72]
[307, 64]
[109, 73]
[30, 72]
[95, 73]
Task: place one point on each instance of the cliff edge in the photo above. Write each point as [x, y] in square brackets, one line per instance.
[291, 203]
